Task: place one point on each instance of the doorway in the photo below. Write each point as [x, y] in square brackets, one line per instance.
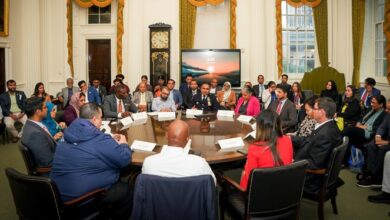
[2, 70]
[99, 61]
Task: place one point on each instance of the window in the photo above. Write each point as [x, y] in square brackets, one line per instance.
[98, 15]
[380, 39]
[298, 39]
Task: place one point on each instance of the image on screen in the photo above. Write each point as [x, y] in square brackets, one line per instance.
[203, 65]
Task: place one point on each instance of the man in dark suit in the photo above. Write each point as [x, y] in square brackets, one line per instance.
[285, 108]
[91, 95]
[188, 98]
[174, 94]
[35, 135]
[118, 105]
[204, 100]
[12, 103]
[317, 147]
[185, 86]
[100, 89]
[259, 88]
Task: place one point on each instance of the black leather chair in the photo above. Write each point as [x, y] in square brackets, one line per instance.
[4, 132]
[273, 193]
[38, 198]
[189, 198]
[31, 166]
[331, 180]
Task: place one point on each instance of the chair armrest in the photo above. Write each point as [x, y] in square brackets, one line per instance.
[85, 197]
[234, 184]
[320, 171]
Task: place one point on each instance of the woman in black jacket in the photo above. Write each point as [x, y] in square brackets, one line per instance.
[350, 108]
[331, 92]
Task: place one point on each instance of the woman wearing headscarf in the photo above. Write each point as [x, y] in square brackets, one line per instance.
[52, 126]
[227, 97]
[331, 91]
[72, 111]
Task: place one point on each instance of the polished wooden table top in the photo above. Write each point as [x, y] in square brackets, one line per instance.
[204, 133]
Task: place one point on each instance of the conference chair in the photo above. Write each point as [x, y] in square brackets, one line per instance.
[38, 198]
[173, 198]
[331, 180]
[4, 133]
[272, 193]
[31, 166]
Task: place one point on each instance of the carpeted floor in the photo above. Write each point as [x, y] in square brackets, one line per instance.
[352, 200]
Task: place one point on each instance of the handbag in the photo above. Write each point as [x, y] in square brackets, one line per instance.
[356, 160]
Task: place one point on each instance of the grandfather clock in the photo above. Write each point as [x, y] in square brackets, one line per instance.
[160, 51]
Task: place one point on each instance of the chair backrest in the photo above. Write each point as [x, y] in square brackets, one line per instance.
[174, 198]
[28, 159]
[34, 197]
[277, 189]
[316, 79]
[335, 161]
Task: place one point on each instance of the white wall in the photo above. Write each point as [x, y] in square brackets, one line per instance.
[36, 48]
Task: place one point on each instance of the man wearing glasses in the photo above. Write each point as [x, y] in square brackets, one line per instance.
[163, 103]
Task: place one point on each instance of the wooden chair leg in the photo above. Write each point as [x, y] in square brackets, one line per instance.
[334, 205]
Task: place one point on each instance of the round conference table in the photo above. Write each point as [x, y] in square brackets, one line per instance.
[205, 131]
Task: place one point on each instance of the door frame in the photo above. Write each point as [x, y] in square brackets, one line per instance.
[8, 66]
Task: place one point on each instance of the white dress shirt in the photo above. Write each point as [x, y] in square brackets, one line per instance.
[317, 125]
[174, 162]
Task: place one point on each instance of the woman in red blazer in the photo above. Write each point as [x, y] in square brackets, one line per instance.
[247, 104]
[270, 149]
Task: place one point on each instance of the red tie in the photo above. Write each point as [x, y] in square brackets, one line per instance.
[364, 97]
[120, 106]
[279, 108]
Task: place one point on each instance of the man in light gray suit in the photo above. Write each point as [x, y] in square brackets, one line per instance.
[118, 105]
[35, 135]
[143, 98]
[67, 92]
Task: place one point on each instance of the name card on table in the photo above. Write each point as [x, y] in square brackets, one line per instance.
[193, 112]
[225, 118]
[225, 113]
[105, 128]
[152, 113]
[126, 122]
[246, 119]
[166, 116]
[251, 134]
[140, 118]
[231, 144]
[254, 126]
[142, 146]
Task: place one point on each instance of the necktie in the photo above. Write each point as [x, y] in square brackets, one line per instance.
[279, 109]
[260, 90]
[120, 106]
[364, 97]
[204, 98]
[70, 93]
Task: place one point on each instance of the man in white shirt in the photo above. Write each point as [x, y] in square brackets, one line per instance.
[174, 161]
[163, 103]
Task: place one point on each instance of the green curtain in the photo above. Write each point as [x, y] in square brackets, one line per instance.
[187, 24]
[358, 14]
[320, 14]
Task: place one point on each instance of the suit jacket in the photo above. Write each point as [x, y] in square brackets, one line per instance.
[40, 143]
[384, 128]
[216, 90]
[102, 91]
[210, 104]
[184, 88]
[188, 98]
[64, 93]
[110, 106]
[177, 98]
[5, 102]
[148, 97]
[93, 96]
[253, 108]
[288, 115]
[316, 148]
[256, 89]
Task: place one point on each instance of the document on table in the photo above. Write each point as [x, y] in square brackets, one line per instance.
[142, 146]
[165, 116]
[126, 122]
[193, 112]
[246, 119]
[231, 144]
[140, 118]
[225, 113]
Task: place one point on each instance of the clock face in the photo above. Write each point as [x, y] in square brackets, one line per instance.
[160, 39]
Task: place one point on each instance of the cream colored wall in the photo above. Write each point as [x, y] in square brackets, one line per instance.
[36, 48]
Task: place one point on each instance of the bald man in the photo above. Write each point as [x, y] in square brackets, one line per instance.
[173, 161]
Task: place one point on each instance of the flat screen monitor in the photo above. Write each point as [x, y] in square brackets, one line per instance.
[205, 64]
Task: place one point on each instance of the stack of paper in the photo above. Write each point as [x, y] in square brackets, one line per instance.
[231, 144]
[166, 116]
[245, 119]
[126, 122]
[142, 146]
